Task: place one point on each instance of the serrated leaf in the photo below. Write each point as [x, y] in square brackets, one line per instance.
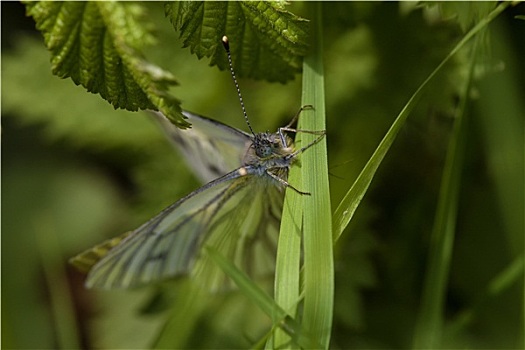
[98, 45]
[267, 41]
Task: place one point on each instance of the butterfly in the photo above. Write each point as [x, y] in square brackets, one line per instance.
[237, 212]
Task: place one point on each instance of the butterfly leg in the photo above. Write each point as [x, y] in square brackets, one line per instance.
[302, 149]
[313, 132]
[285, 183]
[287, 127]
[294, 119]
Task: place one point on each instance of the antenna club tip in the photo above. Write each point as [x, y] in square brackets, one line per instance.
[226, 43]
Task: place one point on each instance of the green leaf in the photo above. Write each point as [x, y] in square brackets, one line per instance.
[287, 266]
[308, 216]
[98, 45]
[267, 41]
[317, 226]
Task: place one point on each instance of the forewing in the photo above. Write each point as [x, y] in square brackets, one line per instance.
[210, 148]
[231, 213]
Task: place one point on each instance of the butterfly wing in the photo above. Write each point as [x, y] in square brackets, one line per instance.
[238, 214]
[210, 148]
[85, 260]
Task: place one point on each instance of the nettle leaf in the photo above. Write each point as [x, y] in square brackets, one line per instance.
[267, 42]
[98, 45]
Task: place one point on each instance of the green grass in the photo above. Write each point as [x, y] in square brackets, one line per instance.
[317, 223]
[309, 217]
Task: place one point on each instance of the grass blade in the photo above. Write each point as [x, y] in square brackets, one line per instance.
[430, 319]
[347, 207]
[287, 270]
[252, 291]
[318, 244]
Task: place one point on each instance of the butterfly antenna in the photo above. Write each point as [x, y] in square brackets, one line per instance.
[226, 45]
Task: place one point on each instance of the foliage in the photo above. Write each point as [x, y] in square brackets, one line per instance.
[76, 171]
[268, 42]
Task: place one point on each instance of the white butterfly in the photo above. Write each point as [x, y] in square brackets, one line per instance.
[237, 213]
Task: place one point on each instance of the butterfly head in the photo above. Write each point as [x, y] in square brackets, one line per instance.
[268, 145]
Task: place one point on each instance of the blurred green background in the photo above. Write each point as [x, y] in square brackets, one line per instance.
[75, 172]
